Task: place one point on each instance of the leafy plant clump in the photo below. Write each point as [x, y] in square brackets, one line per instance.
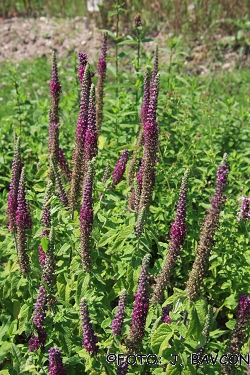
[126, 249]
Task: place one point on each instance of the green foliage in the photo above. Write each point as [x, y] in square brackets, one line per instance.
[199, 119]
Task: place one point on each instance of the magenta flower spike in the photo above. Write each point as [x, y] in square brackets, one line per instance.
[90, 144]
[120, 168]
[238, 335]
[55, 91]
[102, 67]
[23, 222]
[38, 341]
[146, 96]
[209, 227]
[177, 238]
[56, 366]
[86, 217]
[90, 339]
[78, 153]
[140, 310]
[14, 182]
[117, 322]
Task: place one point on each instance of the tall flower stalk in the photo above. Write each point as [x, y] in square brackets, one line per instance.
[38, 340]
[209, 227]
[149, 156]
[102, 67]
[90, 339]
[46, 218]
[61, 192]
[49, 267]
[23, 222]
[117, 322]
[78, 152]
[140, 310]
[55, 91]
[86, 217]
[238, 335]
[177, 238]
[14, 182]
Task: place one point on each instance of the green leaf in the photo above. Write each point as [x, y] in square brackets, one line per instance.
[6, 320]
[5, 348]
[194, 328]
[44, 243]
[23, 316]
[83, 281]
[161, 337]
[127, 42]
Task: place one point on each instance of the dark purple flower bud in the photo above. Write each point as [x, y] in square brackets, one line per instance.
[137, 21]
[165, 318]
[83, 60]
[55, 90]
[210, 225]
[61, 192]
[63, 165]
[14, 182]
[238, 335]
[86, 216]
[90, 144]
[140, 311]
[244, 210]
[120, 168]
[117, 322]
[90, 339]
[56, 366]
[177, 238]
[38, 341]
[122, 369]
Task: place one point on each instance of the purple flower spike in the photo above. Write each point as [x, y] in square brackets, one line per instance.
[146, 96]
[155, 70]
[86, 217]
[122, 369]
[14, 182]
[210, 225]
[55, 90]
[177, 238]
[244, 210]
[140, 311]
[117, 322]
[90, 339]
[90, 144]
[83, 60]
[61, 191]
[23, 222]
[38, 341]
[238, 335]
[49, 267]
[120, 168]
[56, 366]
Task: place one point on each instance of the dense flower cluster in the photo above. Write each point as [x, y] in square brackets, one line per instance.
[244, 211]
[137, 21]
[90, 142]
[14, 182]
[56, 366]
[83, 60]
[53, 138]
[38, 341]
[210, 225]
[49, 267]
[177, 238]
[55, 90]
[238, 335]
[23, 222]
[122, 368]
[140, 310]
[90, 339]
[86, 216]
[102, 67]
[120, 168]
[117, 322]
[78, 152]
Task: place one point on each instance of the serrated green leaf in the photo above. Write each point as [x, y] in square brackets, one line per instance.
[82, 286]
[23, 316]
[160, 339]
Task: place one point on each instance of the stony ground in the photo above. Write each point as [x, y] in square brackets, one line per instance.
[26, 38]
